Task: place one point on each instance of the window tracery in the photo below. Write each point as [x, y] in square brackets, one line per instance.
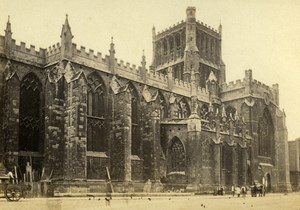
[265, 134]
[177, 155]
[30, 114]
[96, 135]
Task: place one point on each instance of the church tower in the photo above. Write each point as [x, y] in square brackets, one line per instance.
[191, 52]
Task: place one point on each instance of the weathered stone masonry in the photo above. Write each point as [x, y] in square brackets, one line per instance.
[72, 114]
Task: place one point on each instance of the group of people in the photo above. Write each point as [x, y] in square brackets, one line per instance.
[255, 189]
[239, 191]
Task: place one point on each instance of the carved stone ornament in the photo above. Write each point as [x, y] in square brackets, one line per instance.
[250, 102]
[172, 99]
[55, 73]
[115, 84]
[9, 71]
[71, 73]
[146, 94]
[267, 98]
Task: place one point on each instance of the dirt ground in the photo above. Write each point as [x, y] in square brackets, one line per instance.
[270, 202]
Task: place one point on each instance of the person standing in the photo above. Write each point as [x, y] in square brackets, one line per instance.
[238, 191]
[232, 190]
[244, 191]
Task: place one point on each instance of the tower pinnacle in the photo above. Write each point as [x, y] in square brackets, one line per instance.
[66, 40]
[112, 46]
[8, 38]
[112, 53]
[8, 26]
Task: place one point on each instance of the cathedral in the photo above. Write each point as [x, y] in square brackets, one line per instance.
[81, 119]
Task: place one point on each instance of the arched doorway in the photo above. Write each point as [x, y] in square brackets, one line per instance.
[268, 183]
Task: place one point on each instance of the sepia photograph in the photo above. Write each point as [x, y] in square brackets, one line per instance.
[162, 104]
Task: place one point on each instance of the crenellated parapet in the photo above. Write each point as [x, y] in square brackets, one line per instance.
[81, 52]
[210, 30]
[249, 86]
[269, 94]
[53, 53]
[23, 53]
[89, 58]
[171, 29]
[232, 86]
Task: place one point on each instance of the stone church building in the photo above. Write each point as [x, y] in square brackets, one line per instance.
[74, 116]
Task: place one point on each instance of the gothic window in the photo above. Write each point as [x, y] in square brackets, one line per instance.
[265, 134]
[135, 134]
[204, 112]
[177, 72]
[30, 114]
[96, 132]
[216, 51]
[165, 47]
[198, 41]
[230, 112]
[204, 74]
[183, 109]
[177, 155]
[158, 53]
[207, 48]
[163, 106]
[183, 41]
[212, 50]
[171, 44]
[202, 45]
[177, 38]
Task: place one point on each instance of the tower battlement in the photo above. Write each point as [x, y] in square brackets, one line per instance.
[207, 27]
[166, 31]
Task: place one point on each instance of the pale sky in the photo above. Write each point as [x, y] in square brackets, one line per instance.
[262, 35]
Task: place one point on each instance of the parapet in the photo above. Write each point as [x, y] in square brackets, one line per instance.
[81, 52]
[29, 51]
[170, 29]
[28, 54]
[207, 28]
[232, 85]
[53, 53]
[258, 84]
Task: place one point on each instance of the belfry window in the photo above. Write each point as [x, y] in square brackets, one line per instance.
[177, 38]
[30, 114]
[96, 132]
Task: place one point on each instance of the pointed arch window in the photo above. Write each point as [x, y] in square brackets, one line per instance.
[204, 112]
[177, 156]
[30, 126]
[265, 134]
[178, 41]
[165, 47]
[230, 112]
[96, 132]
[135, 133]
